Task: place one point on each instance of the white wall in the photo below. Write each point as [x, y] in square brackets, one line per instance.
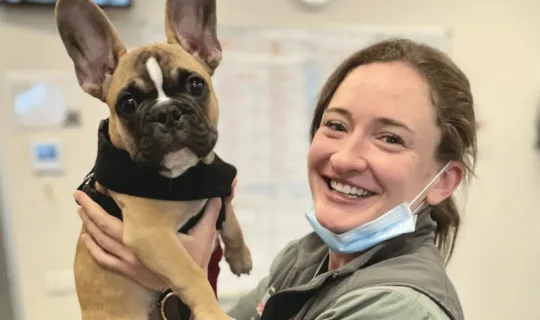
[496, 263]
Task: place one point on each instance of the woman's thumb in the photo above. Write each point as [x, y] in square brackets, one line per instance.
[207, 224]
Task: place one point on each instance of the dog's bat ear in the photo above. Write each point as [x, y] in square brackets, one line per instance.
[91, 42]
[192, 24]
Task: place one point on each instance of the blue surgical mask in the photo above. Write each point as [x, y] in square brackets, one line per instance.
[399, 220]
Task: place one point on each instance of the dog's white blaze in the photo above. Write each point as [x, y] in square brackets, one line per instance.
[178, 162]
[154, 70]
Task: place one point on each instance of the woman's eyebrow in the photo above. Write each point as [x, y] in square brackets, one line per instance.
[341, 111]
[394, 123]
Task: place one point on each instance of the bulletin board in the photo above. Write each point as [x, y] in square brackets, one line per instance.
[267, 87]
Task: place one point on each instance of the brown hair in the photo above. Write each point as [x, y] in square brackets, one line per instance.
[453, 101]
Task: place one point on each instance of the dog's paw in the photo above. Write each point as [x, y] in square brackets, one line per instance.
[239, 260]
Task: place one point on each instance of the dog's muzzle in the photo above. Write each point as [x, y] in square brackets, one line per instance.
[168, 117]
[172, 125]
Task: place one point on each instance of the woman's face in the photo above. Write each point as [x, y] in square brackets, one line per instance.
[376, 147]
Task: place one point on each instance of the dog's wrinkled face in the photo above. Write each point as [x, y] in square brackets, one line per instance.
[163, 109]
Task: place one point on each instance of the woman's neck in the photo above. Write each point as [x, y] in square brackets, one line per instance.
[337, 260]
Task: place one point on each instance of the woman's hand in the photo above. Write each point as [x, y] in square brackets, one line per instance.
[104, 240]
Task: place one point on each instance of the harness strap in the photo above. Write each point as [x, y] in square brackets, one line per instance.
[108, 204]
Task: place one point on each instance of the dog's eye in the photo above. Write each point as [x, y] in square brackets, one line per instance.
[196, 86]
[128, 104]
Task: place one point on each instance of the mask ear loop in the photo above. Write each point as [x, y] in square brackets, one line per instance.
[422, 204]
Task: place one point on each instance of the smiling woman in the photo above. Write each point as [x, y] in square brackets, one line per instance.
[378, 135]
[393, 136]
[411, 109]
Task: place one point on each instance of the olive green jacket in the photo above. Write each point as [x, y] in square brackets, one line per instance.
[403, 278]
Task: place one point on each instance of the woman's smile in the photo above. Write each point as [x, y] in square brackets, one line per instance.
[347, 193]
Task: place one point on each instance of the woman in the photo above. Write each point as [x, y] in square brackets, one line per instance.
[393, 136]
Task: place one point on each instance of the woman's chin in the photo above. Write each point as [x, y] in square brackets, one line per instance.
[340, 220]
[334, 221]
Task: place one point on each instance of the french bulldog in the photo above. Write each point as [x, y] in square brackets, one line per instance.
[164, 115]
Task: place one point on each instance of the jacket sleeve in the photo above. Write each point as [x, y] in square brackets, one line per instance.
[383, 303]
[246, 307]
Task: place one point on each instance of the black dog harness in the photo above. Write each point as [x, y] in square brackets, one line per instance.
[115, 170]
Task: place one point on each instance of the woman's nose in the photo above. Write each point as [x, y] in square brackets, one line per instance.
[349, 158]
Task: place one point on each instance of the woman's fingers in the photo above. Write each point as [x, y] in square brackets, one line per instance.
[104, 221]
[103, 258]
[104, 241]
[207, 225]
[198, 242]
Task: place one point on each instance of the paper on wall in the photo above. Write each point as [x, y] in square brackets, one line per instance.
[40, 99]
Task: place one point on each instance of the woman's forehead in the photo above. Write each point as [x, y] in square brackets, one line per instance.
[392, 90]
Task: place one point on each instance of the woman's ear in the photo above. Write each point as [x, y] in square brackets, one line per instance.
[447, 183]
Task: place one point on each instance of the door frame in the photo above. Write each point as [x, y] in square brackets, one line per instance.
[11, 264]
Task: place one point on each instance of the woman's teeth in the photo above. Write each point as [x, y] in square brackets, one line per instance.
[348, 190]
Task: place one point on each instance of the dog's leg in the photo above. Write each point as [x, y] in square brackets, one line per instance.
[150, 230]
[236, 252]
[104, 295]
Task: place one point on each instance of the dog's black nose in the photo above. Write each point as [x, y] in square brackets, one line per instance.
[168, 116]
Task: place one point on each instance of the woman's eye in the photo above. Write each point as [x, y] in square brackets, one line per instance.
[393, 139]
[336, 126]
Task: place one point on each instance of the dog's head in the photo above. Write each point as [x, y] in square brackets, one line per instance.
[163, 110]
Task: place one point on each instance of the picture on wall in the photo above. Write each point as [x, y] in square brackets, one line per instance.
[41, 99]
